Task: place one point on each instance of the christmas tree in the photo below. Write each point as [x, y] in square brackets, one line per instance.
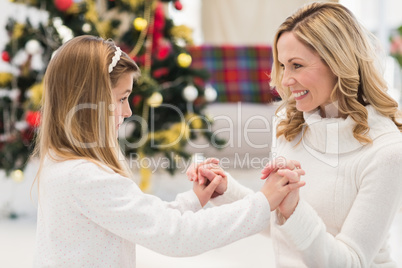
[168, 101]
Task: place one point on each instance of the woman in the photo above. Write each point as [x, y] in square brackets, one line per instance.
[339, 123]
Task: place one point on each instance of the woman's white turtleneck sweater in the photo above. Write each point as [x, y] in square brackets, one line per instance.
[351, 197]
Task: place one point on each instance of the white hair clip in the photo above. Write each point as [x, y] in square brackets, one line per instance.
[115, 59]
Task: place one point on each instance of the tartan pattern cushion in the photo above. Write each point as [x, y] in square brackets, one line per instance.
[238, 73]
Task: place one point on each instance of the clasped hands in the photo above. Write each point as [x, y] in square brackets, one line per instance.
[281, 187]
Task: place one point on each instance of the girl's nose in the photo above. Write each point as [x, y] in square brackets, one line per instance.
[127, 110]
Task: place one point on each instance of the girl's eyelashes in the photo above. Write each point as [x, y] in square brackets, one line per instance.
[123, 99]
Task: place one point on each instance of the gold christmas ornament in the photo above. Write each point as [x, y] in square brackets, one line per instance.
[35, 95]
[194, 120]
[172, 138]
[91, 14]
[105, 28]
[17, 175]
[5, 79]
[18, 31]
[73, 9]
[134, 3]
[182, 130]
[145, 176]
[145, 173]
[140, 24]
[184, 60]
[183, 32]
[155, 100]
[197, 123]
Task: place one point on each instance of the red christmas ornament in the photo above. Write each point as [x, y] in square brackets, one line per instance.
[159, 18]
[5, 56]
[178, 5]
[63, 5]
[157, 37]
[33, 118]
[163, 52]
[140, 60]
[136, 99]
[158, 26]
[158, 73]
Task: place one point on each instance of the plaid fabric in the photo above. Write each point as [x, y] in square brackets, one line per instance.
[238, 73]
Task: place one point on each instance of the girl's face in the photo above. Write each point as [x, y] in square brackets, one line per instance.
[306, 75]
[121, 92]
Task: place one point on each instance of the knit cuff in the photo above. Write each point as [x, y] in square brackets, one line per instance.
[190, 199]
[302, 227]
[235, 191]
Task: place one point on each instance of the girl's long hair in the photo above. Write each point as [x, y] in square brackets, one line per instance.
[345, 46]
[77, 121]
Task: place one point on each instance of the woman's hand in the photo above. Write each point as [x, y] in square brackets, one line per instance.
[280, 184]
[289, 203]
[292, 170]
[279, 163]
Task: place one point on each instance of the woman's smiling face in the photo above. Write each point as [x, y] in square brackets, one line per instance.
[310, 80]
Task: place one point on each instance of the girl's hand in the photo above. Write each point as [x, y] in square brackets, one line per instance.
[192, 171]
[204, 192]
[195, 173]
[223, 185]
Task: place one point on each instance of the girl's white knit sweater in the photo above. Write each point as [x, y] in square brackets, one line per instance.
[89, 216]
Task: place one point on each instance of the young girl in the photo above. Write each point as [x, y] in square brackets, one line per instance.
[91, 214]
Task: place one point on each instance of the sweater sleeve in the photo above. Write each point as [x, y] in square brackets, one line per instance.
[116, 204]
[367, 225]
[235, 191]
[187, 201]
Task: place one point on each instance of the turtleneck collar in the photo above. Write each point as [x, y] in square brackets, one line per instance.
[335, 135]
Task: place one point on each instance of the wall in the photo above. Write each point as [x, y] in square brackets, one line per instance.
[242, 22]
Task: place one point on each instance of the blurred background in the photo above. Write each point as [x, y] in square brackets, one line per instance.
[204, 92]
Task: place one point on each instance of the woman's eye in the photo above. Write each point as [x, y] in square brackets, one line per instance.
[297, 66]
[123, 99]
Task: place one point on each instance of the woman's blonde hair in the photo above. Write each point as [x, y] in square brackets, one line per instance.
[77, 119]
[333, 32]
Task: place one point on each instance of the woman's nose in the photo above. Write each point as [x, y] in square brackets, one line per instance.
[287, 80]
